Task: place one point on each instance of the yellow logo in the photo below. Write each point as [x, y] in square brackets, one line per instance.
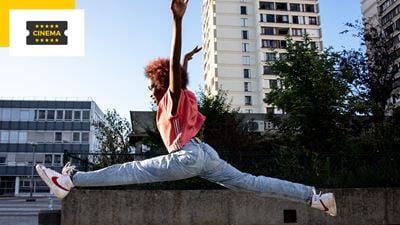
[46, 33]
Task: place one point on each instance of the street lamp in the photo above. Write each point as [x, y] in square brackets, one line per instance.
[31, 199]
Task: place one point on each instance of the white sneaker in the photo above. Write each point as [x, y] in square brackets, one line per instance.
[325, 202]
[59, 184]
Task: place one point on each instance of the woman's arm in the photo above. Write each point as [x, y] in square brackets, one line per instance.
[178, 8]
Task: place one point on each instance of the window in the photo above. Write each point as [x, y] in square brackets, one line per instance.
[267, 30]
[243, 22]
[77, 115]
[297, 32]
[273, 84]
[50, 114]
[281, 6]
[26, 115]
[246, 73]
[23, 137]
[295, 20]
[42, 114]
[76, 137]
[283, 44]
[270, 56]
[3, 159]
[310, 8]
[6, 115]
[247, 86]
[269, 43]
[283, 56]
[295, 7]
[312, 20]
[313, 45]
[14, 115]
[85, 115]
[263, 17]
[243, 10]
[270, 18]
[268, 70]
[60, 114]
[270, 109]
[246, 60]
[282, 18]
[283, 31]
[247, 100]
[68, 114]
[13, 136]
[245, 47]
[267, 5]
[58, 137]
[4, 136]
[85, 135]
[397, 26]
[48, 159]
[57, 159]
[245, 34]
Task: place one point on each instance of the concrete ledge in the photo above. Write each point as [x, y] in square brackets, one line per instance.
[104, 207]
[49, 217]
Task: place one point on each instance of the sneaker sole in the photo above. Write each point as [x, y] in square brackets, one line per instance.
[49, 183]
[332, 209]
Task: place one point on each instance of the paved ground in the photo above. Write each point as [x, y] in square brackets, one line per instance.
[17, 211]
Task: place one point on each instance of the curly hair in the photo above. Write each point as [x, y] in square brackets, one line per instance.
[157, 71]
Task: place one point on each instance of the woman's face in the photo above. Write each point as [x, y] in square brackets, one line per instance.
[155, 94]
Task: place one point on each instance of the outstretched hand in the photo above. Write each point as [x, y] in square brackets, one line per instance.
[190, 54]
[178, 8]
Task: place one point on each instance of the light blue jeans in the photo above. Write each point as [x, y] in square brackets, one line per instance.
[194, 159]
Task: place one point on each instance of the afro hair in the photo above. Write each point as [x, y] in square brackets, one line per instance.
[157, 71]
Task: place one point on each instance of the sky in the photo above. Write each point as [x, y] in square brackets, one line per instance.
[121, 37]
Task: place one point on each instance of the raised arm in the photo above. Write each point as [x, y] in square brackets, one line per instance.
[189, 56]
[178, 8]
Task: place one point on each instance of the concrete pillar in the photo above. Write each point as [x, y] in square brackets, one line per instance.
[16, 193]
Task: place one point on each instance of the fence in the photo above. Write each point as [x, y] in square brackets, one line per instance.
[330, 170]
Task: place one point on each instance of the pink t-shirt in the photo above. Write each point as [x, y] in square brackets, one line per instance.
[176, 130]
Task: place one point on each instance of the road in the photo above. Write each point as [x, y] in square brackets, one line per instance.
[17, 211]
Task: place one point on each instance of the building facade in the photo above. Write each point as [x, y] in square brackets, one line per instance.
[369, 10]
[387, 14]
[42, 132]
[240, 37]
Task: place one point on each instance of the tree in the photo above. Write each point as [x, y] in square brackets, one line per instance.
[312, 94]
[113, 135]
[372, 75]
[223, 128]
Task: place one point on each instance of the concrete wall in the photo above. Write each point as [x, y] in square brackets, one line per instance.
[104, 207]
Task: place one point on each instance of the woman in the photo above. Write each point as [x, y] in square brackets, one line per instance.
[179, 121]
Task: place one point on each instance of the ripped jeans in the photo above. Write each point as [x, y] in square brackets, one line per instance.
[194, 159]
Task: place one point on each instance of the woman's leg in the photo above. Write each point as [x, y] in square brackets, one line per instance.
[174, 166]
[221, 172]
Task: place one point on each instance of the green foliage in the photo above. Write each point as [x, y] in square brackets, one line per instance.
[113, 136]
[312, 94]
[223, 128]
[371, 75]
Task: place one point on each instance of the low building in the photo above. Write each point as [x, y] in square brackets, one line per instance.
[42, 132]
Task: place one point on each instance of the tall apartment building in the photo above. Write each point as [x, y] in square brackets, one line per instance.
[241, 36]
[40, 132]
[387, 12]
[369, 10]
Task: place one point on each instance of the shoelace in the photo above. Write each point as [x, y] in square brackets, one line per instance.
[68, 169]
